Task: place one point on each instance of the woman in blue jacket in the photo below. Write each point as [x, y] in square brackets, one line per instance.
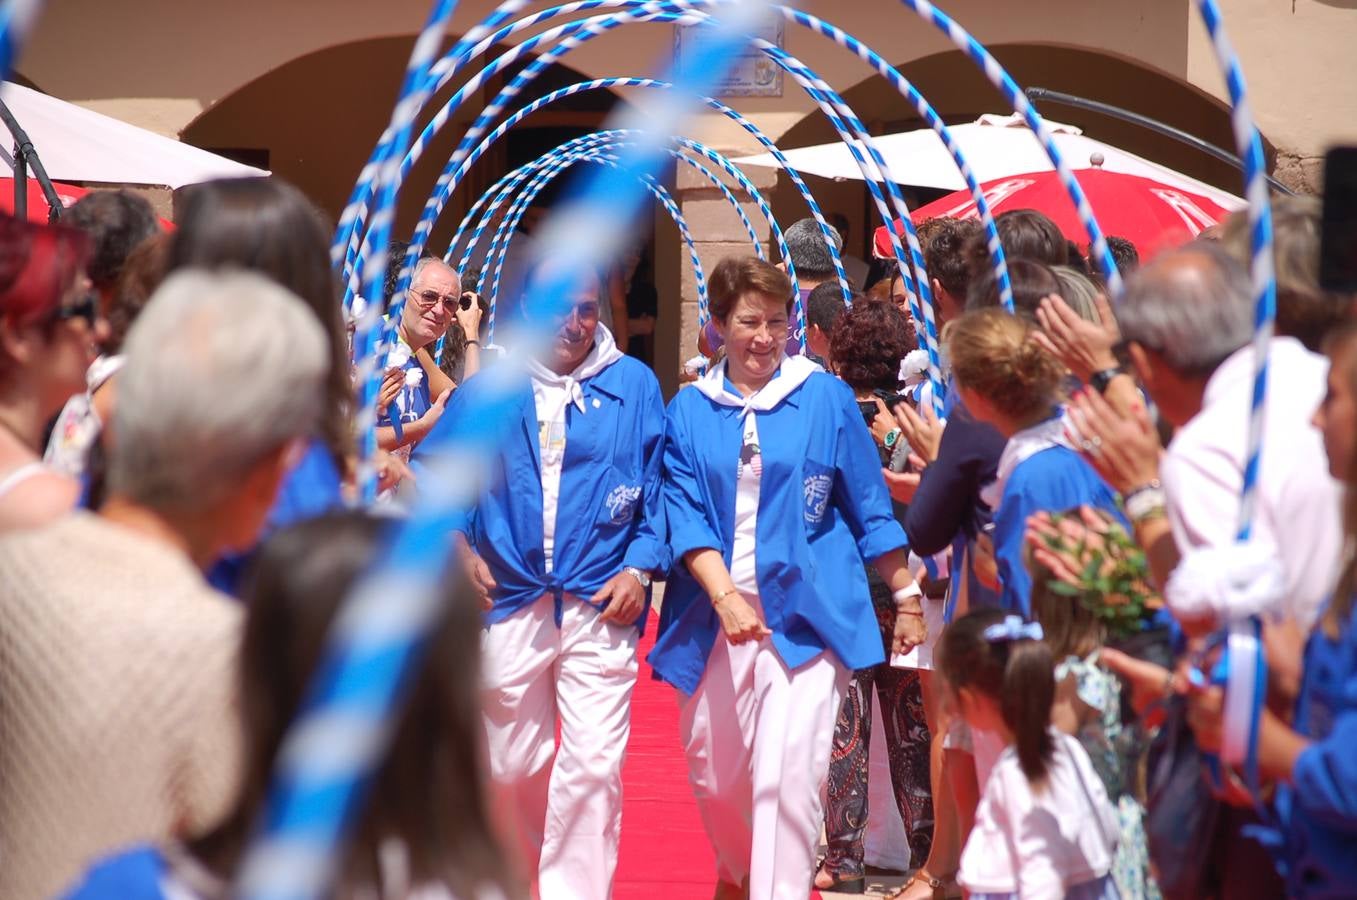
[774, 496]
[563, 546]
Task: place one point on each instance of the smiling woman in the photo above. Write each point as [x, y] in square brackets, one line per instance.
[769, 453]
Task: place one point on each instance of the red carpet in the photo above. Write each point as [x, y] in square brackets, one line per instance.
[665, 854]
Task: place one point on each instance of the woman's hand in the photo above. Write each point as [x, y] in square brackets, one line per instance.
[910, 631]
[1123, 449]
[883, 424]
[1084, 347]
[739, 621]
[924, 432]
[983, 562]
[902, 485]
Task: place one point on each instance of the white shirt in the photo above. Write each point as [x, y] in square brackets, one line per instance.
[551, 401]
[743, 568]
[1039, 844]
[1299, 507]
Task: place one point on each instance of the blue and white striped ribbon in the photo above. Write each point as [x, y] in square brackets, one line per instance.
[507, 228]
[440, 198]
[347, 232]
[825, 97]
[1246, 687]
[1000, 78]
[379, 636]
[542, 171]
[16, 23]
[367, 338]
[506, 184]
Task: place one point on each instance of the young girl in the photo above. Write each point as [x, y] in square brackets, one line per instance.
[1088, 706]
[1044, 828]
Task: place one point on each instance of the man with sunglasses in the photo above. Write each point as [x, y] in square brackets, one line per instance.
[430, 304]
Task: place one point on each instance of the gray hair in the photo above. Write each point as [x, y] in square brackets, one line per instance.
[809, 252]
[423, 263]
[1193, 306]
[222, 368]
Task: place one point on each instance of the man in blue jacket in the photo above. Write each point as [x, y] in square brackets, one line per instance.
[563, 546]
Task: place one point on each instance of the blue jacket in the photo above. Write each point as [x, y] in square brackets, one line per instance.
[823, 509]
[609, 514]
[1319, 808]
[1053, 480]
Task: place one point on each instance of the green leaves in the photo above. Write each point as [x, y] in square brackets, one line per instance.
[1113, 580]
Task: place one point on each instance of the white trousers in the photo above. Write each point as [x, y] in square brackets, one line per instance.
[758, 738]
[565, 817]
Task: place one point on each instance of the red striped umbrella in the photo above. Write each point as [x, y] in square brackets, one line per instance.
[1150, 214]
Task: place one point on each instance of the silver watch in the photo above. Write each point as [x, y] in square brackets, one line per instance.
[639, 575]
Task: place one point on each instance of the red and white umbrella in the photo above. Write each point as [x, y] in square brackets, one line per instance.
[37, 200]
[1151, 214]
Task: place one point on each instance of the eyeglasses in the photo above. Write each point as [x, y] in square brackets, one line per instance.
[426, 300]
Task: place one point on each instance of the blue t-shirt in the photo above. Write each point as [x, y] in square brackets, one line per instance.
[1052, 480]
[312, 488]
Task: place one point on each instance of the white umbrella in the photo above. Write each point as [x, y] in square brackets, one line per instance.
[77, 144]
[995, 147]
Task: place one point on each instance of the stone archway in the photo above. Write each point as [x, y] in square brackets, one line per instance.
[315, 119]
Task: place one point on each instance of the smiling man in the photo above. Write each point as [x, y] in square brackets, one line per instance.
[563, 546]
[430, 304]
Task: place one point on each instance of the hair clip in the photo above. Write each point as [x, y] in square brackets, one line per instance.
[1013, 628]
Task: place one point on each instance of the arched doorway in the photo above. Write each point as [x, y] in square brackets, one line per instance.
[315, 120]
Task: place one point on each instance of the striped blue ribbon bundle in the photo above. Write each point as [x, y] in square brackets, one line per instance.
[509, 225]
[343, 731]
[553, 165]
[1246, 683]
[455, 176]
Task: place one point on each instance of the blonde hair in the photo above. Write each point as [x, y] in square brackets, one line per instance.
[993, 354]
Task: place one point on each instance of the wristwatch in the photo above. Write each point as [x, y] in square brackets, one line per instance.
[892, 437]
[1100, 380]
[639, 575]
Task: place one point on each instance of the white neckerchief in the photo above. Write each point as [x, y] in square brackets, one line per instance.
[791, 374]
[1022, 446]
[604, 354]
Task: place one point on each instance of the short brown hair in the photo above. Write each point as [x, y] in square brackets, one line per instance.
[993, 354]
[736, 276]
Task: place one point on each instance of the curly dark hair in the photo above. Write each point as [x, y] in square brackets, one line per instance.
[944, 242]
[868, 342]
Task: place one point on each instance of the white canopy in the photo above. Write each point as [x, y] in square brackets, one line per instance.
[994, 147]
[77, 144]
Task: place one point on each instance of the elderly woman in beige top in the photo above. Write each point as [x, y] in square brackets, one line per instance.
[117, 661]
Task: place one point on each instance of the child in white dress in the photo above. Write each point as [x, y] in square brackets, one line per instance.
[1044, 829]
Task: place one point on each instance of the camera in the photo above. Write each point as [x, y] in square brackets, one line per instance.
[467, 299]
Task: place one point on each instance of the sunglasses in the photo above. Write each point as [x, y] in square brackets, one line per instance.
[427, 300]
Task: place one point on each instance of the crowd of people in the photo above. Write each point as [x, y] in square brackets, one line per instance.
[1005, 569]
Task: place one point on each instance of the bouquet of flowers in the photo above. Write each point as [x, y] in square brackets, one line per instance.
[1094, 561]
